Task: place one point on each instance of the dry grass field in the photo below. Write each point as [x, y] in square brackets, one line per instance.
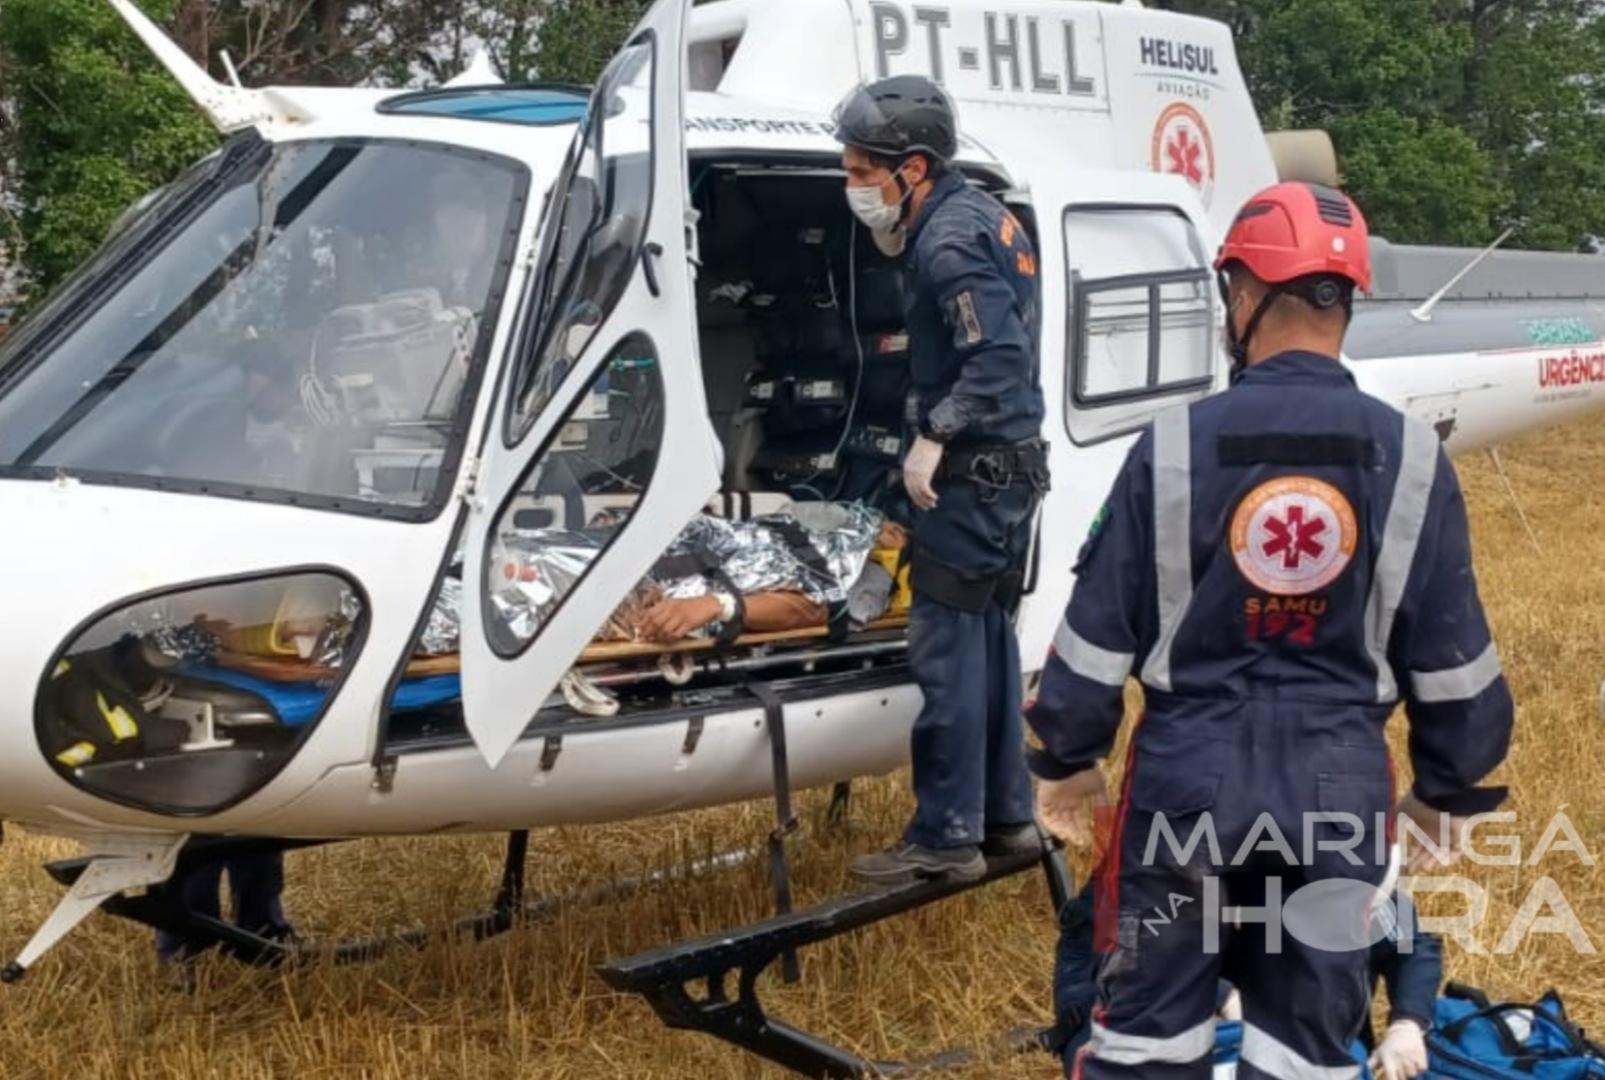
[528, 1005]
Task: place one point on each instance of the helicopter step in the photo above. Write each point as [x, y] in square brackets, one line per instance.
[687, 983]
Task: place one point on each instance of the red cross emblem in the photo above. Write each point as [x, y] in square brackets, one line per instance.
[1182, 147]
[1293, 537]
[1184, 152]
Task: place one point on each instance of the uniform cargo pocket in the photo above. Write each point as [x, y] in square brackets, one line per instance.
[1177, 784]
[1353, 808]
[1362, 794]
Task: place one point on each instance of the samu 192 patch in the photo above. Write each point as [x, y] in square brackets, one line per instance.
[1293, 535]
[966, 320]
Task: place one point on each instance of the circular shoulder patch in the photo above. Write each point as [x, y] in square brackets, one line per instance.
[1293, 535]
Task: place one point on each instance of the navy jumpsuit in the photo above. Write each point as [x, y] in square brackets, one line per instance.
[1281, 564]
[973, 330]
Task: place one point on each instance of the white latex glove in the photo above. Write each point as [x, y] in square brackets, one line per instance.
[1402, 1053]
[919, 470]
[1431, 823]
[1065, 807]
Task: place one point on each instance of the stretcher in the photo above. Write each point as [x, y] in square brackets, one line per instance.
[274, 669]
[297, 690]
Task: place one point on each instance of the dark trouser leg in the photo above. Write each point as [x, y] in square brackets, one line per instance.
[1302, 1005]
[196, 891]
[1075, 978]
[947, 651]
[1008, 783]
[1305, 985]
[258, 885]
[1158, 987]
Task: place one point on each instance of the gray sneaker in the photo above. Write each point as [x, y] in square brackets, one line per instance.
[1006, 840]
[908, 863]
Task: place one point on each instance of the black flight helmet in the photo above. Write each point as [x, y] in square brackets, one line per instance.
[896, 117]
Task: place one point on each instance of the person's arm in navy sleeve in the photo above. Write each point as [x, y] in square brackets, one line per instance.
[1412, 977]
[1108, 625]
[981, 309]
[1447, 666]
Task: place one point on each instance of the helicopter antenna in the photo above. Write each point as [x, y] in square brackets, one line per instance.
[228, 65]
[1423, 314]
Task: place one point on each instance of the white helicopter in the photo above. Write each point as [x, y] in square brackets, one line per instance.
[324, 478]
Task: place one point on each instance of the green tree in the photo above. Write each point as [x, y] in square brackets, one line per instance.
[1452, 118]
[95, 125]
[577, 38]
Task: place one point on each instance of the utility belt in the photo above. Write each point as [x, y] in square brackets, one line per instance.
[997, 468]
[966, 592]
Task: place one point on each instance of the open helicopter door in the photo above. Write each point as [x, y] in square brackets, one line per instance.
[1132, 255]
[600, 449]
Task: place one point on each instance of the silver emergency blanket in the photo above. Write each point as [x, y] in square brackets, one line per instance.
[443, 634]
[533, 571]
[330, 650]
[757, 556]
[536, 568]
[178, 642]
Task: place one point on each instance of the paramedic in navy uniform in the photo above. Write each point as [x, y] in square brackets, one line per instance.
[975, 473]
[1281, 565]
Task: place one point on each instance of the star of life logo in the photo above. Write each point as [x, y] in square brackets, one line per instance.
[1293, 535]
[1182, 145]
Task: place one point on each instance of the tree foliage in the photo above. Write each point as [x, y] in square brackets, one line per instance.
[94, 125]
[1453, 118]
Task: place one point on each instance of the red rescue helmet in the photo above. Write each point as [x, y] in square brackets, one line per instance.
[1295, 230]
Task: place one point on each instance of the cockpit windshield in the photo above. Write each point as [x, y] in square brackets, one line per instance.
[305, 319]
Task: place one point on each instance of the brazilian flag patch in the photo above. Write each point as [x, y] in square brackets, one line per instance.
[1099, 520]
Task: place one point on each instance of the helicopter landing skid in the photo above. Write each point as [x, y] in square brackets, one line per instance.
[158, 908]
[687, 983]
[118, 863]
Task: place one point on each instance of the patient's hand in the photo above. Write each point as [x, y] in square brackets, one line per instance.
[675, 620]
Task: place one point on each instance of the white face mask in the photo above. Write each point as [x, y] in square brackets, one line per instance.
[866, 205]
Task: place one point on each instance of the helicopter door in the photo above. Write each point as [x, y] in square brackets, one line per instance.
[1129, 329]
[600, 450]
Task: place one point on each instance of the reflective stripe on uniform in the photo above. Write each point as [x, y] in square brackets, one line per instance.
[1418, 467]
[78, 754]
[1173, 555]
[1184, 1049]
[1275, 1058]
[1458, 683]
[1092, 661]
[122, 725]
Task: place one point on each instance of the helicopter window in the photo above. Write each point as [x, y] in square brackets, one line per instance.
[188, 701]
[311, 331]
[1142, 326]
[577, 496]
[137, 225]
[591, 237]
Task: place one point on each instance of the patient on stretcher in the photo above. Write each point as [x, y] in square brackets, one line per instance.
[816, 564]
